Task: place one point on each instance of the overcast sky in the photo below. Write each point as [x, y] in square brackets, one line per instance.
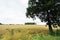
[13, 12]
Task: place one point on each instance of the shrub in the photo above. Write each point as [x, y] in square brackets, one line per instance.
[30, 23]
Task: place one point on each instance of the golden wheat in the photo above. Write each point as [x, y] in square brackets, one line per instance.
[21, 32]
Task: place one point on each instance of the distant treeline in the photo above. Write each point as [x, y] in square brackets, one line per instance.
[30, 23]
[1, 24]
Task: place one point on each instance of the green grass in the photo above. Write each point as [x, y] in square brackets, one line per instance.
[46, 37]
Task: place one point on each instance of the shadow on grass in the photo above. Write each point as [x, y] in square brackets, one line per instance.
[57, 33]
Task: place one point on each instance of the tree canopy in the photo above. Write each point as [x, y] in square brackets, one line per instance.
[45, 10]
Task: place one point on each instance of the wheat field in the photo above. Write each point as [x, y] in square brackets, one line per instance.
[24, 32]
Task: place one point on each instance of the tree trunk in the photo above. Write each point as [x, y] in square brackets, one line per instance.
[50, 28]
[49, 23]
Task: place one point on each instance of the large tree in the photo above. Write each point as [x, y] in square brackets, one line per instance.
[46, 10]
